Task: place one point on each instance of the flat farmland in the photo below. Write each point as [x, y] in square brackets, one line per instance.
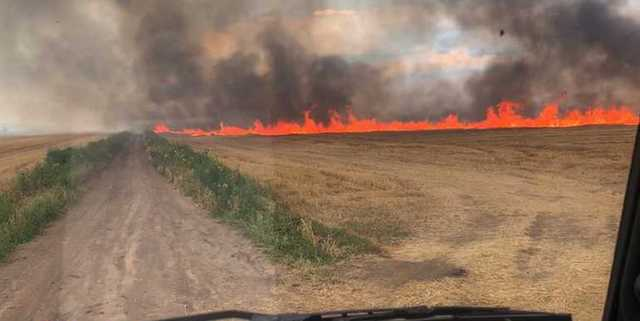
[22, 152]
[525, 218]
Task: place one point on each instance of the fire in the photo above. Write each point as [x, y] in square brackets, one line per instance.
[503, 115]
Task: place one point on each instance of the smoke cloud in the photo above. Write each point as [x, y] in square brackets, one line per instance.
[64, 68]
[583, 52]
[98, 65]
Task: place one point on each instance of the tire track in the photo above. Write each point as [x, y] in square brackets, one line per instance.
[133, 248]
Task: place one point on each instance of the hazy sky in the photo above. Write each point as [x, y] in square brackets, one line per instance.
[77, 65]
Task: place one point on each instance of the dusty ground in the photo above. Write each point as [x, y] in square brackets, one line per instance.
[132, 248]
[21, 152]
[522, 218]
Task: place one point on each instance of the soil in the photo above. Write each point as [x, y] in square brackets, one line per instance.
[524, 218]
[133, 248]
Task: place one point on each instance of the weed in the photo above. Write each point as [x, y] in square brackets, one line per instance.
[243, 202]
[37, 196]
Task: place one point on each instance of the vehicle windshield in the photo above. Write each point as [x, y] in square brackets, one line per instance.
[165, 158]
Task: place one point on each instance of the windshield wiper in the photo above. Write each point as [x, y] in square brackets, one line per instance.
[410, 313]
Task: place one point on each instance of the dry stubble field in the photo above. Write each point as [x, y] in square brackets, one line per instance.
[19, 153]
[22, 152]
[525, 218]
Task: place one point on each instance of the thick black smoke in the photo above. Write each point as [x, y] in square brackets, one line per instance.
[167, 57]
[103, 64]
[279, 80]
[295, 81]
[582, 52]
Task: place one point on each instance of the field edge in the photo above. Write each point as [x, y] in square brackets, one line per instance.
[37, 196]
[244, 202]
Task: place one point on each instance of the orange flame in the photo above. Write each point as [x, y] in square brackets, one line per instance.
[504, 115]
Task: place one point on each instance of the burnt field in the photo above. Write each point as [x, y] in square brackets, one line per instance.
[517, 217]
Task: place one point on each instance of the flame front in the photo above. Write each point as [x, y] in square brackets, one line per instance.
[503, 115]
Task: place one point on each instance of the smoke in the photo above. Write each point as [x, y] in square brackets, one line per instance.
[271, 78]
[167, 58]
[91, 65]
[581, 52]
[62, 66]
[292, 81]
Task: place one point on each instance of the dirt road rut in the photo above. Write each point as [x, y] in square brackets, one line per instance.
[133, 248]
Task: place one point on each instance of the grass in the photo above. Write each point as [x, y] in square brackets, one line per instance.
[322, 181]
[37, 196]
[24, 152]
[243, 202]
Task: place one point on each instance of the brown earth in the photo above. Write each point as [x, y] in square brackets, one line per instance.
[520, 217]
[22, 152]
[133, 248]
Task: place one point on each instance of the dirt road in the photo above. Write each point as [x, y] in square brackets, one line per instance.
[133, 248]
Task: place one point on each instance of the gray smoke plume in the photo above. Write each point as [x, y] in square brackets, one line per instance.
[584, 52]
[63, 68]
[108, 64]
[234, 89]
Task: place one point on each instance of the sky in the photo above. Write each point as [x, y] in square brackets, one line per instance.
[77, 65]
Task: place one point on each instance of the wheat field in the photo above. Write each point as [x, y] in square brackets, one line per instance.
[22, 152]
[525, 218]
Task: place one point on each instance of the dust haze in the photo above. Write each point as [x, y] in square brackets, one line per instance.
[109, 65]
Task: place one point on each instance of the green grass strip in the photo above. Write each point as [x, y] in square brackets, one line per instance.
[37, 196]
[243, 202]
